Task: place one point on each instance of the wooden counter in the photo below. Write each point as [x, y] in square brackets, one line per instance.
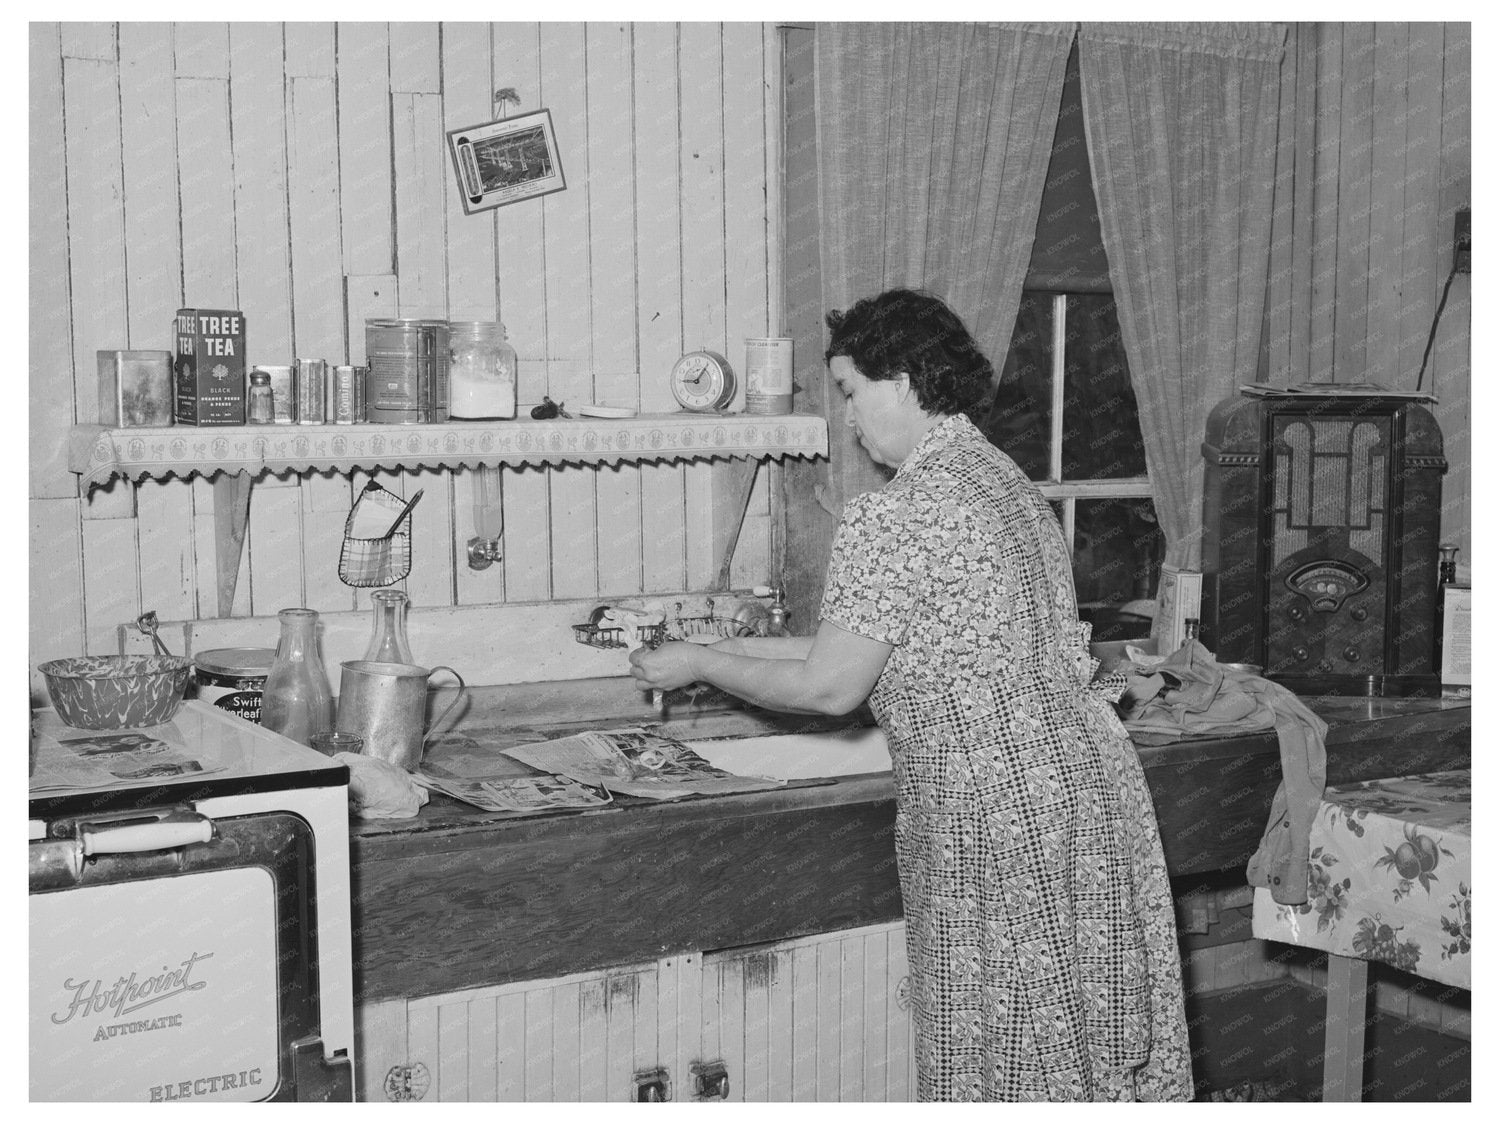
[458, 898]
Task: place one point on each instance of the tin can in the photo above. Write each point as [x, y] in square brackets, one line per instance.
[312, 391]
[408, 379]
[768, 376]
[346, 394]
[233, 679]
[135, 388]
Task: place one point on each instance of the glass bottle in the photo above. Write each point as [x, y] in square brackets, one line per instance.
[481, 370]
[1447, 579]
[388, 636]
[297, 702]
[1448, 565]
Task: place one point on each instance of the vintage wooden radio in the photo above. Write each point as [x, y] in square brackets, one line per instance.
[1320, 539]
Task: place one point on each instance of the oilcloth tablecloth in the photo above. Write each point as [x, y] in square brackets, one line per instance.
[1390, 880]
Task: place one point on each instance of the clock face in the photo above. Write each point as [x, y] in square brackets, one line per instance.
[702, 380]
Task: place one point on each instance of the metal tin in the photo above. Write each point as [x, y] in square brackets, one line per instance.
[768, 375]
[346, 394]
[408, 379]
[135, 388]
[312, 391]
[233, 679]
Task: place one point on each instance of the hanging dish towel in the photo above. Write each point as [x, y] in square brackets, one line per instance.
[1189, 692]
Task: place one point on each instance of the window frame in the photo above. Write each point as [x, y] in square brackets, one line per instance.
[1056, 489]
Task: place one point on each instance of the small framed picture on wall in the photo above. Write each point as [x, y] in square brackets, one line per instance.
[506, 161]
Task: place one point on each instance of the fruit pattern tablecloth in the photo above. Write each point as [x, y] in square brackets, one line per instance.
[1389, 879]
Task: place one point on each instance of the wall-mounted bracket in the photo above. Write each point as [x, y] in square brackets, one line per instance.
[651, 1085]
[710, 1081]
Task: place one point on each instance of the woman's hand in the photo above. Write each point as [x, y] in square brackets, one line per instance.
[671, 665]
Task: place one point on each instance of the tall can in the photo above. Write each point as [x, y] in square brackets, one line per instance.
[768, 375]
[312, 391]
[346, 394]
[408, 371]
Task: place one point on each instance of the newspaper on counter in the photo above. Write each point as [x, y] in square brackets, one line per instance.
[84, 759]
[635, 762]
[515, 794]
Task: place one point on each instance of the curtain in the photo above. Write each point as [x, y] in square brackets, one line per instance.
[933, 142]
[1181, 126]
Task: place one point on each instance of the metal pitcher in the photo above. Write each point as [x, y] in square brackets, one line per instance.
[386, 704]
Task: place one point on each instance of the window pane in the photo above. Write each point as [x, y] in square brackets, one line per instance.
[1117, 554]
[1101, 427]
[1020, 420]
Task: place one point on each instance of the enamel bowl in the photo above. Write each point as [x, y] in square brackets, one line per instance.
[116, 692]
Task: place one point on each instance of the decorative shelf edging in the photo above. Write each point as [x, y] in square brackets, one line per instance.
[98, 453]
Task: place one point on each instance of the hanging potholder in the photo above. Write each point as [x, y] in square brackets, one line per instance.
[374, 551]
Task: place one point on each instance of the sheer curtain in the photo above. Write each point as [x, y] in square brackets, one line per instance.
[933, 141]
[1181, 126]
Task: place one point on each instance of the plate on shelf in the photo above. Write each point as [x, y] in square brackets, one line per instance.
[594, 410]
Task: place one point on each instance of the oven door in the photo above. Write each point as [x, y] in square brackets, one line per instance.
[174, 958]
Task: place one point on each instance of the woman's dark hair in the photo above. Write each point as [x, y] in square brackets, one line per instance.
[905, 331]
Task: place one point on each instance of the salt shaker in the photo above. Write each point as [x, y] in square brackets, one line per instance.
[262, 409]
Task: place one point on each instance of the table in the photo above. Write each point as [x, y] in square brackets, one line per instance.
[1390, 879]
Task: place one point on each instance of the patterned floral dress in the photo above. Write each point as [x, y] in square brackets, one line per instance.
[1039, 922]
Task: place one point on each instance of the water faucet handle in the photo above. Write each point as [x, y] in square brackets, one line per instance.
[775, 619]
[482, 552]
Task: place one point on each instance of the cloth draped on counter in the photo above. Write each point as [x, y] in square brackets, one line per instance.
[1191, 693]
[379, 790]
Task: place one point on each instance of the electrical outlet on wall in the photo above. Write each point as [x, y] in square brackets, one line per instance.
[1462, 241]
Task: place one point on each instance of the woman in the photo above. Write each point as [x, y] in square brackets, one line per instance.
[1039, 925]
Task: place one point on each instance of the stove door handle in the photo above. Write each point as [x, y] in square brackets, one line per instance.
[166, 834]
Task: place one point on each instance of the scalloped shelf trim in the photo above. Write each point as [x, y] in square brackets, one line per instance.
[98, 453]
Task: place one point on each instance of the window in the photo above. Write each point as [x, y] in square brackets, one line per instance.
[1065, 410]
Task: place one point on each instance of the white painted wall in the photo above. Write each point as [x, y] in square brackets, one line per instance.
[299, 172]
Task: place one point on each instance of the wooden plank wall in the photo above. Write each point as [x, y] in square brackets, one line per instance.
[299, 172]
[1373, 161]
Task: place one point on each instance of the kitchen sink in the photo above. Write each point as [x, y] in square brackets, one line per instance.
[789, 757]
[744, 741]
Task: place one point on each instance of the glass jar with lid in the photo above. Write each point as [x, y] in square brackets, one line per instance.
[481, 370]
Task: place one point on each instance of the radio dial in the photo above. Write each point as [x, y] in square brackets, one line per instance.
[1296, 612]
[1359, 614]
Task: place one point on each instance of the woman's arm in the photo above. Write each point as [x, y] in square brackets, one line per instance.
[767, 647]
[837, 673]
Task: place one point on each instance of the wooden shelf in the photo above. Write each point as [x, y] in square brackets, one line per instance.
[235, 455]
[98, 453]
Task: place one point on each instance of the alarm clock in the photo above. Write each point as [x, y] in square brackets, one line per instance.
[702, 380]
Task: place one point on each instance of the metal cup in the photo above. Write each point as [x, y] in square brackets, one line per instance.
[386, 704]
